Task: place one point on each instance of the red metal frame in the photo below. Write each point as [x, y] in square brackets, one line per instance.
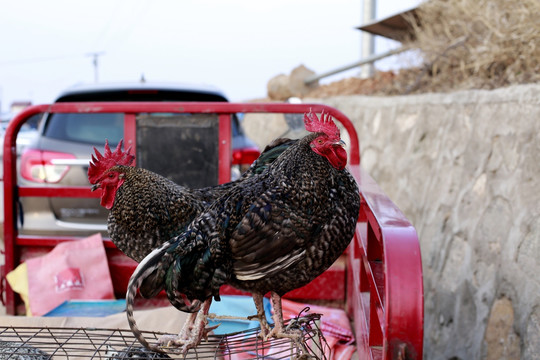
[385, 284]
[381, 279]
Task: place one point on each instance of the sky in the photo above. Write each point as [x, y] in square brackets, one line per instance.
[236, 45]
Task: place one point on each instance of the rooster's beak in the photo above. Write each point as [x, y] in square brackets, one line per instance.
[95, 187]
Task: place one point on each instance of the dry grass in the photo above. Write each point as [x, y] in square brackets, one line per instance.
[480, 44]
[463, 44]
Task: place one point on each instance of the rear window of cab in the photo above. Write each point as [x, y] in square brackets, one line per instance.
[86, 128]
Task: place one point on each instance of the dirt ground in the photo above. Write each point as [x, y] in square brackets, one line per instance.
[381, 83]
[403, 82]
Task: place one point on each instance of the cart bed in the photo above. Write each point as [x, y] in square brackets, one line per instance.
[378, 280]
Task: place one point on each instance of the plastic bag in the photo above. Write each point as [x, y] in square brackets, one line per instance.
[72, 270]
[18, 280]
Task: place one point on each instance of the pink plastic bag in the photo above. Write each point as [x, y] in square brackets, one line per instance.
[72, 270]
[335, 326]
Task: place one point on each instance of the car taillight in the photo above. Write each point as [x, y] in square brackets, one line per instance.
[242, 160]
[245, 157]
[44, 166]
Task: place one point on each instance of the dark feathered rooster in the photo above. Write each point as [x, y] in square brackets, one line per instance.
[273, 232]
[147, 209]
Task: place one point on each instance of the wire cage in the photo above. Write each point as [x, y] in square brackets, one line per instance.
[22, 343]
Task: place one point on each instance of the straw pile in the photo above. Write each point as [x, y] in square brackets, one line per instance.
[476, 44]
[461, 44]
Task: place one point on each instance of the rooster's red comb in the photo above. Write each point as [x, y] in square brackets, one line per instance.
[325, 124]
[101, 163]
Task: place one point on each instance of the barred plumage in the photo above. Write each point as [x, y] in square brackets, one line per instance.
[147, 209]
[273, 232]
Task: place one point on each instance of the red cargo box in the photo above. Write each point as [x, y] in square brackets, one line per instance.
[378, 280]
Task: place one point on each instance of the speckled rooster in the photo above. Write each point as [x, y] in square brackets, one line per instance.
[147, 209]
[273, 232]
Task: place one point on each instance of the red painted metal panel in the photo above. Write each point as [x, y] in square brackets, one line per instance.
[10, 161]
[225, 148]
[386, 244]
[130, 133]
[73, 191]
[330, 285]
[383, 272]
[44, 241]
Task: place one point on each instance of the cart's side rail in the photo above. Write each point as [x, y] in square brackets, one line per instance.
[385, 284]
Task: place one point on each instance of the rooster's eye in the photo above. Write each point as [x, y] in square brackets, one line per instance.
[111, 175]
[320, 141]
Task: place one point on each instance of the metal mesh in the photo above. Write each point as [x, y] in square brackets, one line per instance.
[21, 343]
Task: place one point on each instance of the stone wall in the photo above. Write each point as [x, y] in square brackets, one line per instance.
[465, 169]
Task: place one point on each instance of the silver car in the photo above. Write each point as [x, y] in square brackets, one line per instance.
[60, 153]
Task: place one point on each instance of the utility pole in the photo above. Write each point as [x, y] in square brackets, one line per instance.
[368, 40]
[95, 56]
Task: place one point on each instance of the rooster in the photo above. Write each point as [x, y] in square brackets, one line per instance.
[147, 209]
[273, 232]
